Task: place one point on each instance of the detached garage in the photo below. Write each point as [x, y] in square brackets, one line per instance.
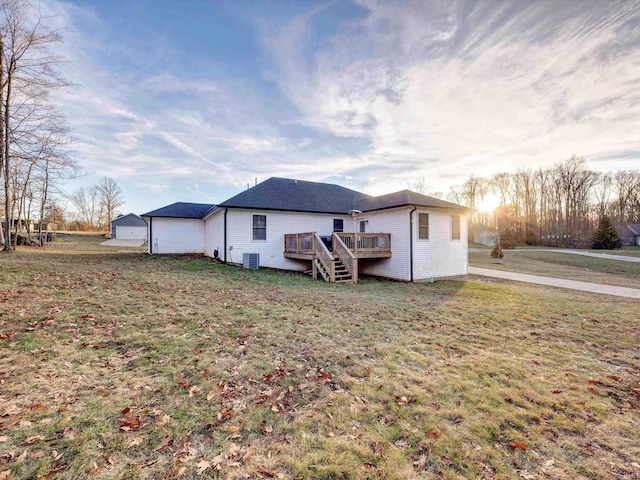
[129, 227]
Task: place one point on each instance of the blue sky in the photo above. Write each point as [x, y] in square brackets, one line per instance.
[191, 100]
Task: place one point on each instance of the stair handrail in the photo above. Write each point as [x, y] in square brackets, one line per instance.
[322, 253]
[346, 256]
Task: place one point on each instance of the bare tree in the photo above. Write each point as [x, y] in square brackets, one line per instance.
[110, 195]
[89, 206]
[602, 193]
[27, 75]
[420, 185]
[625, 182]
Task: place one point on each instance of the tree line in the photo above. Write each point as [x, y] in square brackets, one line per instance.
[34, 138]
[33, 133]
[559, 205]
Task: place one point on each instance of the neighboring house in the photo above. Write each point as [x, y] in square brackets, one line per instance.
[335, 231]
[46, 226]
[629, 234]
[129, 227]
[177, 228]
[22, 225]
[483, 235]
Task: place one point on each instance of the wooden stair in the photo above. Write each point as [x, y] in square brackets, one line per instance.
[341, 273]
[323, 271]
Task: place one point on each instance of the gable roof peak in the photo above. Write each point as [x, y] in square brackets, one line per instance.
[290, 194]
[182, 210]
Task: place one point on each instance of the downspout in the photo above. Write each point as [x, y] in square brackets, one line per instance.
[411, 243]
[225, 235]
[150, 235]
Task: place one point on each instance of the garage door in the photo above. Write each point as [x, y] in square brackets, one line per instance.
[131, 233]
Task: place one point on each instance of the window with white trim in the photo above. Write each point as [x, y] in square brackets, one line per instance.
[423, 226]
[455, 227]
[338, 225]
[259, 227]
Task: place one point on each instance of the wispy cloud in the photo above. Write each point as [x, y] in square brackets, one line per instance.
[372, 97]
[474, 87]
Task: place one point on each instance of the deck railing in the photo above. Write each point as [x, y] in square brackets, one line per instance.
[367, 243]
[310, 244]
[348, 259]
[323, 254]
[299, 243]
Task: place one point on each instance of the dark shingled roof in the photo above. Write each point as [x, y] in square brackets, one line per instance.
[403, 198]
[297, 195]
[129, 220]
[182, 210]
[634, 227]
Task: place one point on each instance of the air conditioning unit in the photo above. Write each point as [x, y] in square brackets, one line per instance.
[251, 261]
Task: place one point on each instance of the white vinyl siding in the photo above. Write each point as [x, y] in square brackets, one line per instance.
[440, 256]
[131, 233]
[395, 222]
[240, 233]
[214, 234]
[176, 235]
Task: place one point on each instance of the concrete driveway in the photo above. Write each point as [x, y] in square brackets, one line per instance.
[558, 282]
[122, 243]
[603, 255]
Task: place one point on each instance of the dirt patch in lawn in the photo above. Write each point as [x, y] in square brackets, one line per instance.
[136, 366]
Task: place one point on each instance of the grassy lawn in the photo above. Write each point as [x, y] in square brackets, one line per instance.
[562, 265]
[123, 365]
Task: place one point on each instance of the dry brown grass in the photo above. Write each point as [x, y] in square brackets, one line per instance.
[131, 366]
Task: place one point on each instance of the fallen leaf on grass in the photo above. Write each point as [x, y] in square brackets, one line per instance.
[179, 472]
[261, 473]
[203, 466]
[446, 460]
[5, 475]
[32, 440]
[3, 438]
[130, 424]
[516, 445]
[135, 441]
[402, 400]
[36, 407]
[193, 390]
[166, 441]
[165, 420]
[11, 410]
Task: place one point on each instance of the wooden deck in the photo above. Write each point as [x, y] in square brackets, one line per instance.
[362, 245]
[340, 264]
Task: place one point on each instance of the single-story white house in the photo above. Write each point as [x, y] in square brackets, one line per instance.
[129, 227]
[334, 231]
